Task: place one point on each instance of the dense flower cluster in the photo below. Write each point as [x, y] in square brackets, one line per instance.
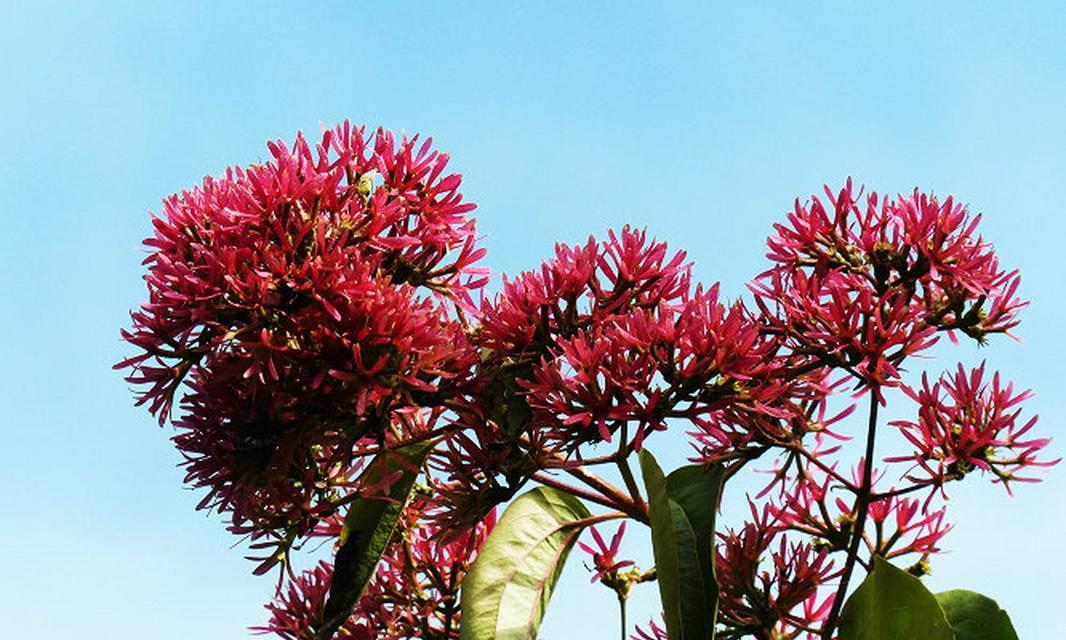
[565, 325]
[304, 301]
[604, 345]
[316, 309]
[865, 284]
[774, 602]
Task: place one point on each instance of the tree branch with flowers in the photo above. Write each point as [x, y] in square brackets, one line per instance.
[317, 332]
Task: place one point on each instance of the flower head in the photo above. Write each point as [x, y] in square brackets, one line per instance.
[966, 423]
[768, 585]
[865, 283]
[605, 556]
[904, 525]
[306, 302]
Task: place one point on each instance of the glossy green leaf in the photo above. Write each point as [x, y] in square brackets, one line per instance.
[891, 604]
[368, 529]
[975, 617]
[697, 489]
[682, 510]
[506, 592]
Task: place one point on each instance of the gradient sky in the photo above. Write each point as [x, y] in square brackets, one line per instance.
[701, 121]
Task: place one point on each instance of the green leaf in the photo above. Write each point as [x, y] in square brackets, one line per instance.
[682, 512]
[697, 489]
[368, 529]
[891, 604]
[507, 590]
[975, 617]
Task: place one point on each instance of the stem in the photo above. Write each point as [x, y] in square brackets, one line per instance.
[622, 461]
[622, 613]
[734, 467]
[578, 492]
[631, 483]
[862, 503]
[823, 466]
[579, 462]
[449, 617]
[603, 517]
[607, 491]
[898, 492]
[623, 502]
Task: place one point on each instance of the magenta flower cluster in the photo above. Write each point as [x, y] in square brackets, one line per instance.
[311, 311]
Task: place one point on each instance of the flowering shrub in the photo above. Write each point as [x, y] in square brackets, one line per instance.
[316, 323]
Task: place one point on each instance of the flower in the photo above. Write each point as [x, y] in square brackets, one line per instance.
[306, 303]
[966, 423]
[605, 557]
[771, 599]
[547, 337]
[841, 317]
[863, 286]
[682, 360]
[918, 529]
[580, 285]
[315, 310]
[297, 236]
[776, 409]
[298, 611]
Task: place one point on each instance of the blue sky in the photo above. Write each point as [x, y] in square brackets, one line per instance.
[701, 121]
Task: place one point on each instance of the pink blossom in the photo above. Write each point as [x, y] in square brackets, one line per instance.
[864, 285]
[965, 423]
[767, 584]
[605, 556]
[306, 304]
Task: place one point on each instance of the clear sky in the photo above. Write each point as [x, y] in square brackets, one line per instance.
[701, 121]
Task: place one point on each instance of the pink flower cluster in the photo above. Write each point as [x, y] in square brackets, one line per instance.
[857, 287]
[965, 424]
[864, 283]
[318, 308]
[307, 303]
[773, 600]
[604, 345]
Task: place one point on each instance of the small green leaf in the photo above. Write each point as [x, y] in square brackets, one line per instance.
[506, 592]
[975, 617]
[368, 529]
[891, 604]
[682, 511]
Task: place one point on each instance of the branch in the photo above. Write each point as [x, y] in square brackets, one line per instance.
[862, 504]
